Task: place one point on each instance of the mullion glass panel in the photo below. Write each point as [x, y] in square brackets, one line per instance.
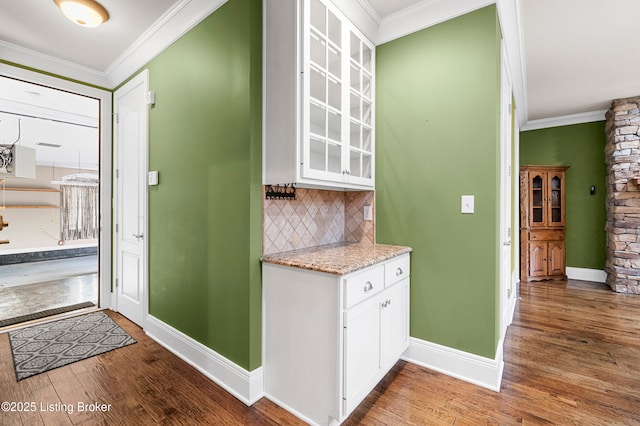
[334, 126]
[335, 64]
[355, 106]
[355, 134]
[354, 164]
[334, 163]
[366, 139]
[318, 155]
[318, 47]
[318, 82]
[318, 119]
[318, 15]
[335, 94]
[335, 29]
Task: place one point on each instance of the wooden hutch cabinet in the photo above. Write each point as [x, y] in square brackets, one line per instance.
[542, 223]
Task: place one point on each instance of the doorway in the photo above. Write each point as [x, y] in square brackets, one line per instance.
[58, 214]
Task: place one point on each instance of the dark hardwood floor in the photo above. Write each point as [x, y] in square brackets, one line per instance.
[572, 357]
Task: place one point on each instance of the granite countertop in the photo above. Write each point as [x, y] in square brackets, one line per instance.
[339, 258]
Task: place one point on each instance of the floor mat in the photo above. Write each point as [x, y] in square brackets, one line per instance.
[43, 347]
[44, 314]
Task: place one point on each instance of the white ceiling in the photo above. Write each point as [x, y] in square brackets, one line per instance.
[579, 54]
[40, 26]
[569, 48]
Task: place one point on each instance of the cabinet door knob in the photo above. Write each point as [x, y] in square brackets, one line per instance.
[368, 286]
[398, 272]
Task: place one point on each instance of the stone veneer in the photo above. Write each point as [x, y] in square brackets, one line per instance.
[315, 218]
[622, 156]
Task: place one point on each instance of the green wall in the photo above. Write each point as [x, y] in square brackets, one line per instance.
[580, 146]
[437, 138]
[205, 216]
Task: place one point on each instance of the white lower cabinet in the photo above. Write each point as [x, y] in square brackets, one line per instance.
[375, 335]
[329, 339]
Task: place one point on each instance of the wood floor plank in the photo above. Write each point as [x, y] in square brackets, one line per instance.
[571, 358]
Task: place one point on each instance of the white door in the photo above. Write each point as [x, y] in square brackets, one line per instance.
[131, 141]
[505, 193]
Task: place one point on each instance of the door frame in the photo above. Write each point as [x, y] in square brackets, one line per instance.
[141, 78]
[105, 163]
[506, 231]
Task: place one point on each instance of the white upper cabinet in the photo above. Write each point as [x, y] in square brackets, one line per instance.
[319, 97]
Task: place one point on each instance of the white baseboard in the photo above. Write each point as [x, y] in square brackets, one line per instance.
[584, 274]
[247, 386]
[471, 368]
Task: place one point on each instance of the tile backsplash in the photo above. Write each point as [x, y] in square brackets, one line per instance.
[316, 217]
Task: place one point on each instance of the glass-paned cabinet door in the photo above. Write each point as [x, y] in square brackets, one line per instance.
[360, 168]
[324, 92]
[556, 215]
[537, 188]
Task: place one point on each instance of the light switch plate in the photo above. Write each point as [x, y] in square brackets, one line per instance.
[153, 178]
[468, 202]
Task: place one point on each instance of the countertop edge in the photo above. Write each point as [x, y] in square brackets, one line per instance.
[309, 260]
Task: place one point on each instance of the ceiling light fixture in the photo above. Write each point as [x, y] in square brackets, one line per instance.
[86, 13]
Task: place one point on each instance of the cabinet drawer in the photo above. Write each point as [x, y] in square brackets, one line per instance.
[395, 270]
[362, 285]
[546, 235]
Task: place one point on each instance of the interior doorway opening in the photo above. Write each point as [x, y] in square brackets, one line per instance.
[50, 199]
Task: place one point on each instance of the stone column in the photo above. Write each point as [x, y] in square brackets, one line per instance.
[622, 156]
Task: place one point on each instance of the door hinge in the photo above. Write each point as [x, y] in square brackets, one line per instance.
[117, 173]
[116, 117]
[117, 283]
[510, 109]
[509, 171]
[116, 227]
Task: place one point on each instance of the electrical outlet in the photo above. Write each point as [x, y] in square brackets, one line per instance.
[368, 213]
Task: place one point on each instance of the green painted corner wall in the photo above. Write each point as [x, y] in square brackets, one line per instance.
[580, 146]
[205, 223]
[437, 138]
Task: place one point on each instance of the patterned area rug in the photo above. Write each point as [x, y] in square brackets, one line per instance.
[43, 347]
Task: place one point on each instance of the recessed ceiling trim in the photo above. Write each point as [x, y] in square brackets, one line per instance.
[423, 15]
[176, 22]
[40, 61]
[565, 120]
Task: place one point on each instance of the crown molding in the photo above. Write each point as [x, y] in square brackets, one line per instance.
[423, 15]
[362, 15]
[176, 22]
[15, 54]
[366, 6]
[565, 120]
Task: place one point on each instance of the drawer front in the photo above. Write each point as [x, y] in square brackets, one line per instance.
[395, 270]
[363, 285]
[547, 235]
